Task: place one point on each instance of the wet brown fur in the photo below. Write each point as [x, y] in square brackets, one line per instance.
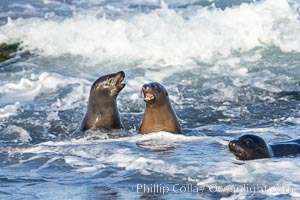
[159, 114]
[102, 111]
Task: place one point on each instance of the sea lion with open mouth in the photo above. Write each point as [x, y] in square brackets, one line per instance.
[159, 114]
[102, 111]
[250, 147]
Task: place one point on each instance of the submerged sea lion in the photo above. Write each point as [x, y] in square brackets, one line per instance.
[102, 111]
[250, 147]
[159, 114]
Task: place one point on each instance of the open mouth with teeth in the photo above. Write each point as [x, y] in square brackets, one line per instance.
[148, 96]
[119, 80]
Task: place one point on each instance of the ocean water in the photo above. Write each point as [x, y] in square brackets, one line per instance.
[230, 67]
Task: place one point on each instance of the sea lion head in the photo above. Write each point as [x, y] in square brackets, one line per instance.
[249, 147]
[102, 111]
[155, 94]
[108, 86]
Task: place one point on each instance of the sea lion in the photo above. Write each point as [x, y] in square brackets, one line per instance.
[102, 111]
[159, 114]
[250, 147]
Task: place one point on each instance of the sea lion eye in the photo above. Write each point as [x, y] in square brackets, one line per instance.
[262, 146]
[248, 142]
[156, 87]
[108, 82]
[98, 85]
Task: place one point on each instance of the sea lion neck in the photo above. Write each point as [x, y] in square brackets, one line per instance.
[102, 113]
[101, 104]
[157, 105]
[158, 108]
[160, 118]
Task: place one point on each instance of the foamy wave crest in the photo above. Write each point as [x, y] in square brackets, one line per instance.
[29, 88]
[163, 36]
[9, 110]
[15, 134]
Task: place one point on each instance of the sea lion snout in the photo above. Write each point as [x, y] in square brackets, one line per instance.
[148, 93]
[145, 87]
[122, 73]
[233, 145]
[119, 78]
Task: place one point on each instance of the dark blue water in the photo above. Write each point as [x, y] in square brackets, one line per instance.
[230, 68]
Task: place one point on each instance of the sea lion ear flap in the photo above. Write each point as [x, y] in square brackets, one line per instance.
[167, 94]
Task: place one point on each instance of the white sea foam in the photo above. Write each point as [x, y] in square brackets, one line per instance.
[279, 177]
[27, 89]
[163, 36]
[271, 132]
[53, 116]
[160, 136]
[132, 161]
[293, 120]
[159, 43]
[9, 110]
[88, 156]
[15, 134]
